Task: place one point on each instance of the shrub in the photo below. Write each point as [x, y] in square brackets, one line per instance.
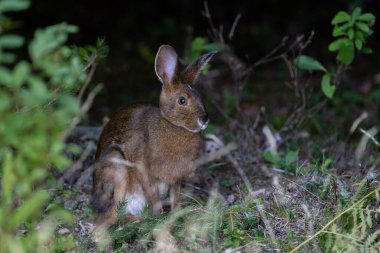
[36, 108]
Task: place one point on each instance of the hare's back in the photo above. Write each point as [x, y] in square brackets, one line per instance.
[128, 126]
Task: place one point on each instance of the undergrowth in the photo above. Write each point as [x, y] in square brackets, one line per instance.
[291, 216]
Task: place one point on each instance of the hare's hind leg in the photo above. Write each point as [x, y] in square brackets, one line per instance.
[110, 188]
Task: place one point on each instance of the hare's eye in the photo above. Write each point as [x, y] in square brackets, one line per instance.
[182, 101]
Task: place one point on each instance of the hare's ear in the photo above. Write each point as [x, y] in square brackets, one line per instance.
[191, 73]
[166, 64]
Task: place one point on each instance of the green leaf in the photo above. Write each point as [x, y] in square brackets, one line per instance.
[11, 41]
[6, 77]
[337, 32]
[64, 243]
[196, 47]
[197, 43]
[367, 50]
[8, 58]
[326, 163]
[346, 54]
[70, 104]
[213, 47]
[21, 73]
[362, 26]
[358, 44]
[5, 103]
[366, 17]
[7, 181]
[291, 157]
[341, 17]
[345, 26]
[356, 13]
[327, 88]
[335, 45]
[350, 33]
[37, 94]
[360, 35]
[28, 208]
[14, 5]
[273, 158]
[305, 62]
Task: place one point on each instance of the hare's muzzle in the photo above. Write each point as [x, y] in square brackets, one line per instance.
[203, 122]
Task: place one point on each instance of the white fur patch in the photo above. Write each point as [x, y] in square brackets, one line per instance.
[135, 202]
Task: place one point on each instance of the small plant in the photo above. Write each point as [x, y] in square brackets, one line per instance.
[351, 33]
[286, 163]
[239, 224]
[360, 234]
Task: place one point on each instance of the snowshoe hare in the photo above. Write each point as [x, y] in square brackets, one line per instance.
[144, 151]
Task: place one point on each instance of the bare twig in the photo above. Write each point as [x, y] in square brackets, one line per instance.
[84, 108]
[370, 134]
[77, 165]
[367, 135]
[93, 64]
[233, 28]
[214, 32]
[84, 176]
[207, 158]
[86, 132]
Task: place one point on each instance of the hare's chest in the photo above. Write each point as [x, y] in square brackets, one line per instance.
[173, 159]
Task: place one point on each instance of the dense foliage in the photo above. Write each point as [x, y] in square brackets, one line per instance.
[36, 108]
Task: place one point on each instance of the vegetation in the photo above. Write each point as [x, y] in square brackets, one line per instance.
[352, 32]
[37, 106]
[299, 182]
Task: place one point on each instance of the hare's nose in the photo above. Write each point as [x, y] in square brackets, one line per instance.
[205, 119]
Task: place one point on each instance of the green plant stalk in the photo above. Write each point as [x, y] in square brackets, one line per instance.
[354, 240]
[334, 219]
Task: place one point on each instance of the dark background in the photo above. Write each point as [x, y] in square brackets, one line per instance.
[133, 30]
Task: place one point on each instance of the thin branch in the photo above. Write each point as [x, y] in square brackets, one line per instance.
[233, 28]
[77, 165]
[93, 64]
[84, 108]
[214, 32]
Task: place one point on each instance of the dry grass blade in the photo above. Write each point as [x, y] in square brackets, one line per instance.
[367, 135]
[359, 120]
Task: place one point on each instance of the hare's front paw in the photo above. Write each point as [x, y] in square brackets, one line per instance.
[157, 208]
[100, 235]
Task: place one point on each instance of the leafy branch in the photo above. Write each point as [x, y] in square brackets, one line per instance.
[352, 32]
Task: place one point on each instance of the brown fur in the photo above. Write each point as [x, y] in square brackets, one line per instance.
[165, 141]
